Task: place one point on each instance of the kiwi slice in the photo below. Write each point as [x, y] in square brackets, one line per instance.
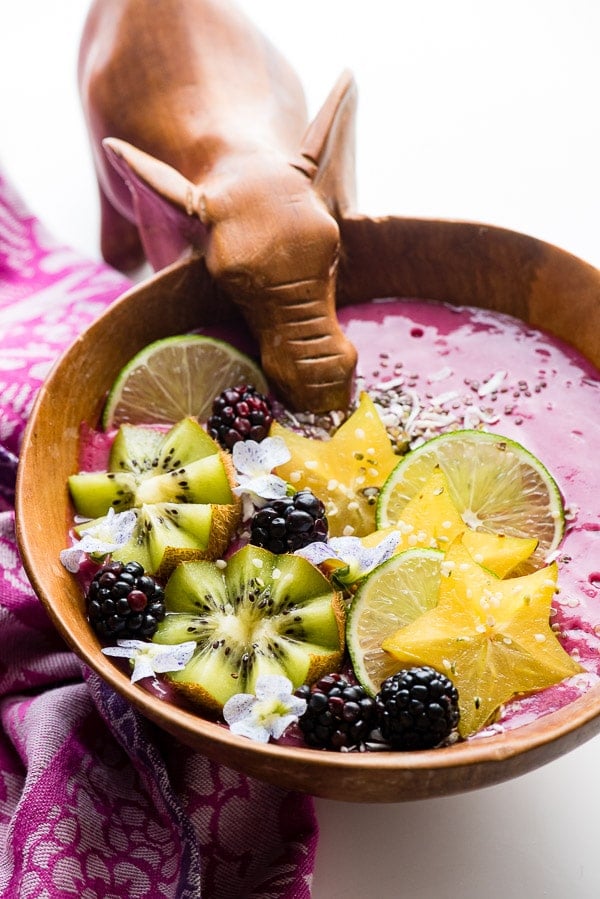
[94, 492]
[260, 614]
[179, 485]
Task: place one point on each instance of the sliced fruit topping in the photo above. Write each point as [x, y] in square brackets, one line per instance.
[240, 413]
[345, 472]
[179, 485]
[259, 614]
[403, 587]
[491, 636]
[431, 519]
[394, 594]
[173, 378]
[418, 708]
[497, 486]
[499, 553]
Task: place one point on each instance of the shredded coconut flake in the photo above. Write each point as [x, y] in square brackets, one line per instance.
[492, 384]
[440, 375]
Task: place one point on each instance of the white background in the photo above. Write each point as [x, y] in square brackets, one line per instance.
[467, 110]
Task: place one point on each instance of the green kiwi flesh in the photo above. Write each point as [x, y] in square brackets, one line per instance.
[259, 614]
[95, 492]
[137, 448]
[180, 530]
[173, 481]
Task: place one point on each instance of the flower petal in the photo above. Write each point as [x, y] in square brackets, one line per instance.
[269, 713]
[171, 658]
[253, 459]
[364, 558]
[72, 558]
[238, 707]
[273, 686]
[317, 553]
[357, 558]
[276, 451]
[150, 659]
[264, 486]
[101, 539]
[247, 728]
[124, 649]
[246, 458]
[121, 525]
[281, 724]
[142, 668]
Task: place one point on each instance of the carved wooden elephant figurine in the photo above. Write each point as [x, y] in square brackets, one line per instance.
[201, 145]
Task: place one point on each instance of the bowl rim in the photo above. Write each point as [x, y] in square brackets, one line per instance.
[500, 756]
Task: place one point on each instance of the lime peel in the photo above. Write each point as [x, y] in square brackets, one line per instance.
[175, 377]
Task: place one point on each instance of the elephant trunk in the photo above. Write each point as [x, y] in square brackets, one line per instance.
[305, 354]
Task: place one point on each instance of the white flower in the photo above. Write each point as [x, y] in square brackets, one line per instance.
[150, 659]
[354, 559]
[267, 714]
[103, 538]
[254, 463]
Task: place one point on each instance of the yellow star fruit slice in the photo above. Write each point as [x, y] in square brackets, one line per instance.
[345, 472]
[431, 520]
[492, 637]
[499, 553]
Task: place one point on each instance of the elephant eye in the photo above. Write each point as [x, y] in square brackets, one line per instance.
[237, 279]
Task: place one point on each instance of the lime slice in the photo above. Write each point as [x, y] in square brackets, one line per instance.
[496, 484]
[397, 592]
[176, 377]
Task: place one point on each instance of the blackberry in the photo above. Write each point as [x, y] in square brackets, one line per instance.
[124, 603]
[339, 715]
[418, 708]
[285, 525]
[239, 413]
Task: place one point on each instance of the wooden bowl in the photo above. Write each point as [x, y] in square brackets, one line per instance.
[464, 263]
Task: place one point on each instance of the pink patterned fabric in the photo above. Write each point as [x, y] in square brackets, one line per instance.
[94, 800]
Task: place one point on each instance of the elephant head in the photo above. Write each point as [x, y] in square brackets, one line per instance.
[245, 181]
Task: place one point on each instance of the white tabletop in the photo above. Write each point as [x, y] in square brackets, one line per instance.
[467, 110]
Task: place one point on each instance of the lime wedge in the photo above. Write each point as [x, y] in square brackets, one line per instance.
[175, 377]
[496, 484]
[396, 593]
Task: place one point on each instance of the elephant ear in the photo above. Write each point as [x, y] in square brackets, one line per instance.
[328, 147]
[165, 203]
